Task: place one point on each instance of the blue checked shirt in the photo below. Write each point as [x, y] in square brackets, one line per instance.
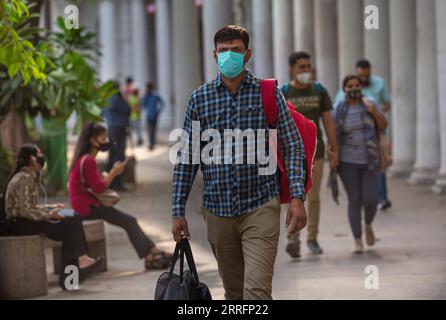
[232, 190]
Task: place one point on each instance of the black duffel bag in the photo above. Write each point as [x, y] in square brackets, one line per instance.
[186, 285]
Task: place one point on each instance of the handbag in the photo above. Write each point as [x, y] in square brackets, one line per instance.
[108, 198]
[385, 149]
[186, 285]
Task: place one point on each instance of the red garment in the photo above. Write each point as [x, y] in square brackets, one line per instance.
[80, 199]
[307, 130]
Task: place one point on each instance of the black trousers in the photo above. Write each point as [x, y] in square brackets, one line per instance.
[118, 139]
[69, 230]
[151, 131]
[140, 241]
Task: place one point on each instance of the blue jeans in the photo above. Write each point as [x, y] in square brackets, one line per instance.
[382, 187]
[136, 126]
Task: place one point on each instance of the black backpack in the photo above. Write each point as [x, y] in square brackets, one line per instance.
[186, 285]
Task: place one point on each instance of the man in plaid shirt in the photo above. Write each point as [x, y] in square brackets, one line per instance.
[241, 206]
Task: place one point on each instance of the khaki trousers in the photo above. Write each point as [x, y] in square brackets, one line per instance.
[245, 248]
[313, 204]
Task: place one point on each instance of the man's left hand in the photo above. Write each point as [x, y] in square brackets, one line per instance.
[296, 218]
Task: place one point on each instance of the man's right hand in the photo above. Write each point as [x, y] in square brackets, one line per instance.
[180, 225]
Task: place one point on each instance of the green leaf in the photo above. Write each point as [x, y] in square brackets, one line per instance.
[24, 7]
[28, 44]
[40, 62]
[13, 69]
[26, 76]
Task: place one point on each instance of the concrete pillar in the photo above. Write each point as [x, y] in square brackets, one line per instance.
[57, 8]
[151, 50]
[427, 140]
[186, 46]
[326, 44]
[216, 14]
[440, 185]
[377, 43]
[108, 70]
[140, 56]
[123, 38]
[262, 38]
[403, 81]
[350, 22]
[282, 38]
[303, 14]
[164, 60]
[89, 19]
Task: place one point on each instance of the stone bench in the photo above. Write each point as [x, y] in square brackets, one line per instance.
[22, 267]
[96, 243]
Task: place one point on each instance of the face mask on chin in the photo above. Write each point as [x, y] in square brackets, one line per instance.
[41, 161]
[354, 94]
[231, 64]
[305, 77]
[103, 147]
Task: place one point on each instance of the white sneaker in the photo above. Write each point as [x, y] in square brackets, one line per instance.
[359, 247]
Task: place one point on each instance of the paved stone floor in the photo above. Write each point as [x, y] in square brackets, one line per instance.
[410, 256]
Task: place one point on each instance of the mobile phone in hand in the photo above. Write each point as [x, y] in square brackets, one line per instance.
[67, 213]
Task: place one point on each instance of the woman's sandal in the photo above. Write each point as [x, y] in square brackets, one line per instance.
[160, 260]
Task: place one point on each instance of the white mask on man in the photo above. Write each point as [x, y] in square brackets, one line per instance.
[305, 77]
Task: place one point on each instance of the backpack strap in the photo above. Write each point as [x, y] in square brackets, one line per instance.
[319, 87]
[285, 88]
[268, 89]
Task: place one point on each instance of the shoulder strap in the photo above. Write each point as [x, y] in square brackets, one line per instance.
[285, 88]
[190, 258]
[175, 256]
[319, 87]
[268, 89]
[81, 172]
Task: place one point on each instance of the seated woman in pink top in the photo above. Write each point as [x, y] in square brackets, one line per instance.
[93, 139]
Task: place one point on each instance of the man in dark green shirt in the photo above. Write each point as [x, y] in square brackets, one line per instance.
[313, 101]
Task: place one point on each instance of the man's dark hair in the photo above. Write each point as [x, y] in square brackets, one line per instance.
[296, 56]
[363, 64]
[232, 32]
[150, 86]
[129, 80]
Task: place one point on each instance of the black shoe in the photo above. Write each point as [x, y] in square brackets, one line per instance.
[121, 189]
[386, 204]
[314, 247]
[293, 249]
[90, 270]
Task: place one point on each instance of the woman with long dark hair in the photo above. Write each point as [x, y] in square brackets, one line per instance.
[93, 139]
[358, 120]
[26, 217]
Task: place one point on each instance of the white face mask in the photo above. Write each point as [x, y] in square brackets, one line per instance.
[304, 78]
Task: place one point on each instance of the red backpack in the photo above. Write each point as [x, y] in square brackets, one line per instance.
[308, 133]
